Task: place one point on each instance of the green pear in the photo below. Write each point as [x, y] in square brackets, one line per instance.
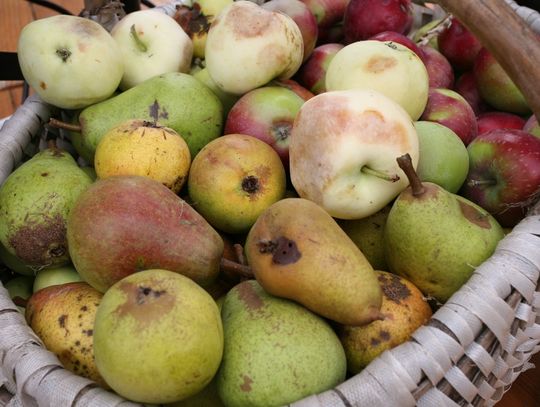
[435, 238]
[14, 263]
[176, 100]
[298, 251]
[54, 276]
[368, 234]
[276, 351]
[227, 99]
[35, 201]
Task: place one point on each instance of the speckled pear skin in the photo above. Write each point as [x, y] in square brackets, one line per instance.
[35, 201]
[276, 351]
[437, 239]
[298, 251]
[63, 317]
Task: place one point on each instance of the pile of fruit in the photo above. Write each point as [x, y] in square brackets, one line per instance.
[255, 201]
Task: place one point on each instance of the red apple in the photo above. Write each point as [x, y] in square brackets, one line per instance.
[294, 86]
[266, 113]
[459, 45]
[312, 74]
[496, 87]
[302, 16]
[393, 36]
[365, 18]
[327, 12]
[450, 109]
[504, 173]
[532, 126]
[499, 120]
[440, 72]
[330, 35]
[466, 86]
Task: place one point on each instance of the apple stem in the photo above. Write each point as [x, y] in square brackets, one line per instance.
[141, 45]
[405, 163]
[236, 268]
[482, 182]
[51, 144]
[379, 174]
[63, 125]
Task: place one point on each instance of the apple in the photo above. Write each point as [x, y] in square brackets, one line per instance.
[233, 179]
[327, 12]
[266, 113]
[393, 36]
[331, 35]
[248, 46]
[365, 18]
[440, 72]
[55, 276]
[343, 151]
[294, 86]
[504, 173]
[449, 108]
[387, 67]
[302, 16]
[444, 159]
[71, 62]
[496, 87]
[499, 120]
[312, 73]
[459, 45]
[467, 87]
[151, 43]
[532, 126]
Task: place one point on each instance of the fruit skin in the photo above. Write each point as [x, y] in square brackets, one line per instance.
[20, 288]
[336, 137]
[499, 120]
[441, 73]
[392, 36]
[13, 263]
[297, 251]
[55, 276]
[459, 45]
[61, 57]
[136, 223]
[450, 109]
[532, 126]
[158, 337]
[467, 86]
[137, 147]
[226, 99]
[35, 201]
[63, 318]
[233, 180]
[435, 259]
[504, 173]
[387, 67]
[365, 18]
[161, 46]
[276, 351]
[176, 100]
[496, 87]
[312, 73]
[404, 308]
[248, 46]
[327, 12]
[444, 159]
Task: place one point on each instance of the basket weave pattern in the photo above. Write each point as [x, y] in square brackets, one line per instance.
[469, 353]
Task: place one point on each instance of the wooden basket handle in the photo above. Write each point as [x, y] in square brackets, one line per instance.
[513, 43]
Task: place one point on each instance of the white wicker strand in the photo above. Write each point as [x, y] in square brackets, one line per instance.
[481, 357]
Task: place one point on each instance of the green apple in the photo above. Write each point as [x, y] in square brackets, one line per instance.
[151, 43]
[55, 276]
[71, 62]
[444, 159]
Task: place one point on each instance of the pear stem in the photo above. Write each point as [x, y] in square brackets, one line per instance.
[380, 174]
[141, 45]
[51, 144]
[405, 163]
[63, 125]
[239, 251]
[236, 268]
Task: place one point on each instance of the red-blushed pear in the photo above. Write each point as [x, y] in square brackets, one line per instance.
[266, 113]
[312, 73]
[459, 45]
[248, 46]
[365, 18]
[327, 12]
[467, 87]
[343, 151]
[496, 87]
[386, 36]
[532, 126]
[499, 120]
[504, 173]
[302, 16]
[450, 109]
[441, 73]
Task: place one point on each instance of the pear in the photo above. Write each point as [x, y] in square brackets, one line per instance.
[276, 351]
[298, 251]
[404, 308]
[20, 290]
[55, 276]
[177, 100]
[35, 201]
[435, 238]
[63, 318]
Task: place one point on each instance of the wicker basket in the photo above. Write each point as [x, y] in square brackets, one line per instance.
[469, 353]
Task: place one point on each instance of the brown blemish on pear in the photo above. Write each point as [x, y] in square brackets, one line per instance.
[473, 215]
[378, 64]
[246, 385]
[249, 296]
[393, 288]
